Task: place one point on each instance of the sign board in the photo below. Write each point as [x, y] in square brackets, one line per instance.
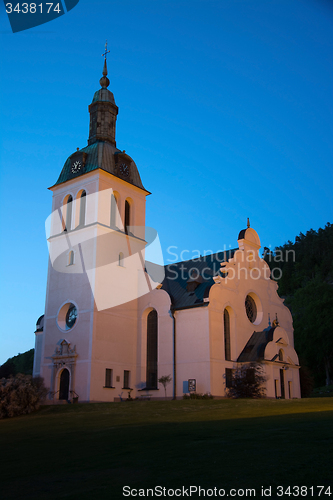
[192, 385]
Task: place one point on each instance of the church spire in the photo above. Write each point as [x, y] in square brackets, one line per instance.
[103, 111]
[104, 81]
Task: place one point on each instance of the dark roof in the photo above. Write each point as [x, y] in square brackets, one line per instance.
[241, 235]
[103, 95]
[101, 155]
[40, 324]
[188, 282]
[255, 347]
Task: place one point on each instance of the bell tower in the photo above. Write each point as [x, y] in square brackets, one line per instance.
[103, 113]
[86, 348]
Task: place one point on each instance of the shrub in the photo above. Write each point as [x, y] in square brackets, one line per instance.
[196, 395]
[165, 380]
[20, 395]
[247, 382]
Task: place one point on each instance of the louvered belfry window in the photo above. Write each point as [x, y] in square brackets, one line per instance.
[151, 381]
[227, 349]
[113, 220]
[82, 219]
[127, 216]
[69, 214]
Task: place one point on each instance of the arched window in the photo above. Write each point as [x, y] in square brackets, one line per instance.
[151, 381]
[280, 355]
[226, 321]
[127, 215]
[82, 219]
[121, 259]
[69, 205]
[114, 209]
[71, 258]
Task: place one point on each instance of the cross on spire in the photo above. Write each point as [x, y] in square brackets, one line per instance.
[106, 50]
[104, 81]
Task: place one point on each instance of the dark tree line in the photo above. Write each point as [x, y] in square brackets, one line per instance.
[306, 283]
[22, 363]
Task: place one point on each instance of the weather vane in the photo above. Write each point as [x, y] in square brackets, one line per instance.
[106, 51]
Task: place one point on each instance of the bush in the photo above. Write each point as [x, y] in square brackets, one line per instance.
[20, 395]
[195, 395]
[247, 382]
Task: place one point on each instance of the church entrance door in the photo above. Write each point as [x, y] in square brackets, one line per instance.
[64, 384]
[282, 384]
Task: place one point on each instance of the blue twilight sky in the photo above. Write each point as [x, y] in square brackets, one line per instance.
[225, 105]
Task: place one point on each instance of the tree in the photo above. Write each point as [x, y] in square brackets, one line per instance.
[247, 382]
[312, 309]
[306, 279]
[7, 369]
[165, 380]
[306, 380]
[22, 363]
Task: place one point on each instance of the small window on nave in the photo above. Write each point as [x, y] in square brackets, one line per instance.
[126, 379]
[108, 377]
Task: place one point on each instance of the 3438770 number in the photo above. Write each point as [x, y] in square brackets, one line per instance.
[32, 8]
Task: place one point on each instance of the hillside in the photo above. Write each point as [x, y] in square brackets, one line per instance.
[306, 268]
[22, 363]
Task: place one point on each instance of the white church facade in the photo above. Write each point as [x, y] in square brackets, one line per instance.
[114, 323]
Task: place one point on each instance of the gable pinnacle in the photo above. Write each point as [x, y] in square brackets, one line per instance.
[248, 222]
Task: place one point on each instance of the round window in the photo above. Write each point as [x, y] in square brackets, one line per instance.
[251, 308]
[67, 316]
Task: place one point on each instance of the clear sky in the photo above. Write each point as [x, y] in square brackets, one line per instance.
[225, 106]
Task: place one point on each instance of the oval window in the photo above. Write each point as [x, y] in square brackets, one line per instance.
[251, 308]
[67, 316]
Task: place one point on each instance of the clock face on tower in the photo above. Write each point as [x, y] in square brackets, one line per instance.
[76, 167]
[124, 169]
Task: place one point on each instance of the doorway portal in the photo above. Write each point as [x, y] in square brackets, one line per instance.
[64, 384]
[282, 384]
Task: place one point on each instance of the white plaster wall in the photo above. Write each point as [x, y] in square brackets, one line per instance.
[192, 348]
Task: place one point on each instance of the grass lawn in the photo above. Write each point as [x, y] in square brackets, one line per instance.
[90, 451]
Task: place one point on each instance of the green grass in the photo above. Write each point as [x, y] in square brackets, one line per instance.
[92, 451]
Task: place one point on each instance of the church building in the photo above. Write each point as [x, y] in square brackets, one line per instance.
[115, 323]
